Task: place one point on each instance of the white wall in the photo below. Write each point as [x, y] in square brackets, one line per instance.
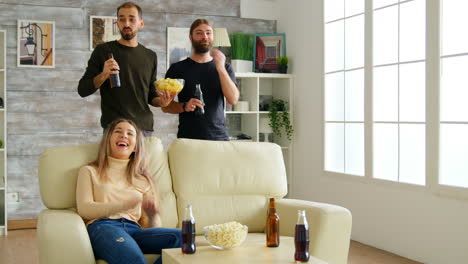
[262, 9]
[410, 222]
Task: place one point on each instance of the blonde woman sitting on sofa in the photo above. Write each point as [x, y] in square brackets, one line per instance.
[116, 198]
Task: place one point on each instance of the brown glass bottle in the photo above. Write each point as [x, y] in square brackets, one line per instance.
[114, 78]
[272, 226]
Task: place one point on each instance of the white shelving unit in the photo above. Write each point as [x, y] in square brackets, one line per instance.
[3, 159]
[254, 87]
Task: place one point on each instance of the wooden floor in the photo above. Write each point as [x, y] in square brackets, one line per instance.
[20, 247]
[364, 254]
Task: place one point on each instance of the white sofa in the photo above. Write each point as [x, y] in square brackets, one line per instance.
[223, 181]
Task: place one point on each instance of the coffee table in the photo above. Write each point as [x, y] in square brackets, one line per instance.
[248, 252]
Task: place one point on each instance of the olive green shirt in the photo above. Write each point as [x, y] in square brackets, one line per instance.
[138, 67]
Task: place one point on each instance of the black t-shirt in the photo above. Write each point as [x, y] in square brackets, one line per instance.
[211, 125]
[138, 66]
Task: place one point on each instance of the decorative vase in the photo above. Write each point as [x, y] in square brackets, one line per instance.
[283, 68]
[241, 65]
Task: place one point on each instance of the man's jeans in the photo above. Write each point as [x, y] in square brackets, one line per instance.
[123, 241]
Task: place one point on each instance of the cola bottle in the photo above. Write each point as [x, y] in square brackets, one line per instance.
[199, 96]
[272, 226]
[114, 77]
[301, 238]
[188, 232]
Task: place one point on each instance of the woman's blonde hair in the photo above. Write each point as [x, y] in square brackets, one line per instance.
[137, 164]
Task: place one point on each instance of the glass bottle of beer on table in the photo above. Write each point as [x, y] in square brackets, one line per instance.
[272, 226]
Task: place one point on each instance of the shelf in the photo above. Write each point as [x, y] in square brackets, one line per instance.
[261, 75]
[258, 90]
[241, 140]
[251, 112]
[3, 135]
[241, 112]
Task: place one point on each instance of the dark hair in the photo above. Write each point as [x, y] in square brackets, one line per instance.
[198, 22]
[129, 5]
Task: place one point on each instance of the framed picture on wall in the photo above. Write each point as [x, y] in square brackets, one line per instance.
[102, 29]
[267, 47]
[179, 46]
[36, 43]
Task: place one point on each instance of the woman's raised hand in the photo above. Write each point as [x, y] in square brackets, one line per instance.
[149, 205]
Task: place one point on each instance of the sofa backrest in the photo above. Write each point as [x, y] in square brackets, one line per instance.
[58, 171]
[226, 181]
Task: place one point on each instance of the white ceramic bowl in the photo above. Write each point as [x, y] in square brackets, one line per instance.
[220, 238]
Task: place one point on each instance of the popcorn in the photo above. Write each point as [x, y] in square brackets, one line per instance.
[171, 85]
[225, 235]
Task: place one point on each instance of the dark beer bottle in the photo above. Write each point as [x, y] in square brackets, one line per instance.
[188, 232]
[199, 96]
[272, 226]
[301, 238]
[114, 78]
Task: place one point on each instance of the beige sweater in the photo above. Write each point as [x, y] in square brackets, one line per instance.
[97, 199]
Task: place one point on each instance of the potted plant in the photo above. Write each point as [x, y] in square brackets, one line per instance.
[279, 118]
[241, 52]
[282, 64]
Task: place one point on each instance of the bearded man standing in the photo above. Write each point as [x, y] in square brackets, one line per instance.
[137, 68]
[206, 66]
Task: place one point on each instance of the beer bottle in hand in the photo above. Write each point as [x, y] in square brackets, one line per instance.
[188, 232]
[114, 78]
[199, 96]
[272, 226]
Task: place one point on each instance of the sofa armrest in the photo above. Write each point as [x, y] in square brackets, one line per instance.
[329, 227]
[62, 238]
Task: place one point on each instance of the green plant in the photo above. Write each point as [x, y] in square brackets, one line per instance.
[282, 60]
[279, 118]
[241, 46]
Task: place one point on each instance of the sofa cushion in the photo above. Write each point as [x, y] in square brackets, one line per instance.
[58, 170]
[226, 181]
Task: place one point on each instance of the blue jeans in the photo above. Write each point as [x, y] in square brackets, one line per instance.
[123, 241]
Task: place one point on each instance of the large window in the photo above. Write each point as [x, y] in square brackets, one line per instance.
[344, 91]
[399, 91]
[396, 120]
[454, 94]
[381, 98]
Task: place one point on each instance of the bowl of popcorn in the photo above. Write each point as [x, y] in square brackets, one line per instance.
[225, 236]
[171, 85]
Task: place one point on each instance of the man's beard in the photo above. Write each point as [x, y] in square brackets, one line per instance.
[129, 36]
[199, 48]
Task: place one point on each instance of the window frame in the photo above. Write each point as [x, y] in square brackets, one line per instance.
[344, 70]
[433, 61]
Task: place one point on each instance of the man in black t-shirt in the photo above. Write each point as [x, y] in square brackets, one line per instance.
[207, 67]
[137, 67]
